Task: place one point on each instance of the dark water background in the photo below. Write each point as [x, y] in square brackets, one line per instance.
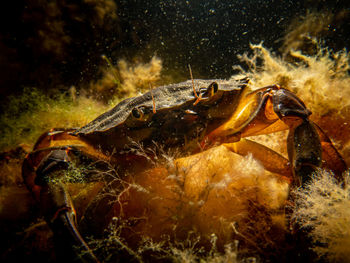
[210, 34]
[206, 34]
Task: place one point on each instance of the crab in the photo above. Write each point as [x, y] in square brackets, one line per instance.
[191, 118]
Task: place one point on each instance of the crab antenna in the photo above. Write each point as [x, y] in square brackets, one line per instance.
[198, 98]
[154, 102]
[194, 90]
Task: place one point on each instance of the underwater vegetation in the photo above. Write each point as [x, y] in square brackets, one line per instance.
[250, 215]
[26, 117]
[313, 78]
[323, 209]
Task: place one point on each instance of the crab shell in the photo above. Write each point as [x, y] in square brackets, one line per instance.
[169, 115]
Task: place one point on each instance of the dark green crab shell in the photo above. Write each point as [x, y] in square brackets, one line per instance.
[168, 97]
[179, 119]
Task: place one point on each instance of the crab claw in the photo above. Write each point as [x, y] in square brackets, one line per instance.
[270, 109]
[286, 104]
[61, 217]
[56, 204]
[309, 148]
[303, 143]
[304, 151]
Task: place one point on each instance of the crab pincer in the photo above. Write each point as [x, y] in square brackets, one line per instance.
[42, 170]
[309, 148]
[271, 109]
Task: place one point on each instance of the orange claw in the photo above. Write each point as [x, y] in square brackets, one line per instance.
[253, 115]
[272, 109]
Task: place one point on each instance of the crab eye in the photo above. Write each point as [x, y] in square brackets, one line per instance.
[137, 113]
[211, 90]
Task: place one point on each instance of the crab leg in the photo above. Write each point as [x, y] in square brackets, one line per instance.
[271, 160]
[42, 171]
[333, 160]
